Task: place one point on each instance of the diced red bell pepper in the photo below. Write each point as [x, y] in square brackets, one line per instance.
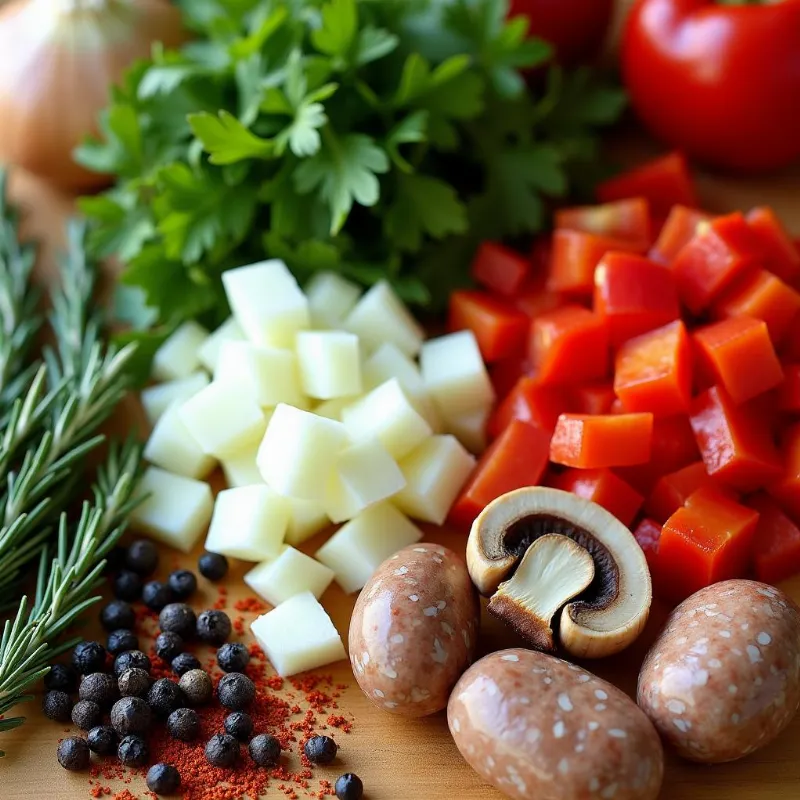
[789, 390]
[735, 441]
[535, 299]
[529, 401]
[517, 458]
[741, 355]
[603, 487]
[623, 219]
[679, 228]
[776, 546]
[592, 398]
[648, 534]
[706, 541]
[790, 346]
[718, 253]
[782, 254]
[569, 345]
[499, 328]
[761, 295]
[541, 251]
[672, 490]
[605, 440]
[499, 268]
[653, 372]
[786, 488]
[505, 372]
[634, 295]
[664, 182]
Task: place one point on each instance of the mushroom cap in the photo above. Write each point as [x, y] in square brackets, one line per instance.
[608, 615]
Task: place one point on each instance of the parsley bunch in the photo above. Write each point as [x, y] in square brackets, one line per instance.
[374, 138]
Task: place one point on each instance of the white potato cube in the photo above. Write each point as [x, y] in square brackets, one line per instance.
[381, 316]
[332, 409]
[178, 356]
[434, 473]
[176, 510]
[330, 299]
[387, 415]
[229, 331]
[306, 519]
[241, 469]
[299, 451]
[249, 522]
[223, 419]
[174, 449]
[267, 302]
[470, 429]
[298, 636]
[330, 363]
[358, 548]
[291, 573]
[157, 399]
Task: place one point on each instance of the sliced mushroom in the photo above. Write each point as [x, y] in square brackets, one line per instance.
[512, 557]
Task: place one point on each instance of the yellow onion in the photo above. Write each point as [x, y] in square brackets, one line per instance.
[58, 60]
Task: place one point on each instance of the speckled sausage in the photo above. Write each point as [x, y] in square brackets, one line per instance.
[414, 629]
[723, 677]
[539, 728]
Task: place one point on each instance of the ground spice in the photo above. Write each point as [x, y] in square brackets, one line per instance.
[221, 602]
[251, 605]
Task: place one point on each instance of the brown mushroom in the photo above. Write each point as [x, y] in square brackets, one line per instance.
[537, 551]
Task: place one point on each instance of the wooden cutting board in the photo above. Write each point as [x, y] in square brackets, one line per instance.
[416, 760]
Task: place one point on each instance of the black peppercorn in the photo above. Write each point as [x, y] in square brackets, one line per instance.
[197, 686]
[233, 657]
[236, 691]
[117, 614]
[62, 677]
[156, 595]
[122, 640]
[213, 566]
[86, 714]
[99, 687]
[183, 663]
[134, 682]
[265, 750]
[131, 715]
[89, 657]
[168, 645]
[131, 659]
[133, 752]
[73, 753]
[142, 557]
[165, 696]
[178, 618]
[321, 749]
[57, 706]
[222, 750]
[213, 626]
[183, 724]
[163, 779]
[183, 584]
[102, 740]
[349, 787]
[239, 725]
[127, 585]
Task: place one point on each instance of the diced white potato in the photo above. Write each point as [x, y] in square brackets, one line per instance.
[291, 573]
[358, 548]
[455, 375]
[387, 415]
[434, 473]
[298, 635]
[306, 519]
[249, 522]
[269, 374]
[470, 429]
[332, 409]
[330, 363]
[340, 504]
[223, 419]
[229, 331]
[173, 448]
[299, 451]
[178, 356]
[240, 468]
[267, 302]
[381, 316]
[176, 510]
[330, 299]
[157, 399]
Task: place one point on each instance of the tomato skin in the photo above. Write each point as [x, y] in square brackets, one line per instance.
[719, 81]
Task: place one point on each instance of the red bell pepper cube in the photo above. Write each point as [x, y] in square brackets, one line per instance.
[653, 372]
[517, 458]
[776, 546]
[735, 441]
[786, 488]
[740, 354]
[605, 440]
[782, 254]
[499, 268]
[672, 490]
[648, 535]
[679, 227]
[505, 372]
[622, 219]
[529, 401]
[592, 398]
[603, 487]
[789, 390]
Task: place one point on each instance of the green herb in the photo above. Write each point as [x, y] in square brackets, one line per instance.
[375, 138]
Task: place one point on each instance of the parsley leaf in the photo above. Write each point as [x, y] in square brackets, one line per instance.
[227, 140]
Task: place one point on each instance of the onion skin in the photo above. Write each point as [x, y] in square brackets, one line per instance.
[58, 60]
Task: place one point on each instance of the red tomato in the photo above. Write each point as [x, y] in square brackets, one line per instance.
[720, 81]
